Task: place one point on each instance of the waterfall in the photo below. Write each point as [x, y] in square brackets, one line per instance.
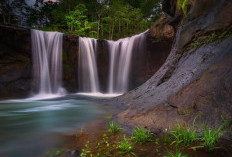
[120, 61]
[87, 66]
[47, 62]
[120, 56]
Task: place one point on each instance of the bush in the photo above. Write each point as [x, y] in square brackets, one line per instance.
[211, 138]
[183, 4]
[114, 127]
[184, 136]
[125, 146]
[141, 135]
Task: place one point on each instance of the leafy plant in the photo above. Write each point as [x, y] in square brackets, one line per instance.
[125, 146]
[141, 135]
[183, 4]
[86, 150]
[114, 127]
[177, 154]
[213, 37]
[197, 43]
[185, 136]
[211, 138]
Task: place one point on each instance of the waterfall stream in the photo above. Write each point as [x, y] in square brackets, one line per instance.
[120, 61]
[87, 66]
[47, 62]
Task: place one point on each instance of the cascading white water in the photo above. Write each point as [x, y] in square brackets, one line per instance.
[120, 53]
[87, 68]
[120, 61]
[47, 62]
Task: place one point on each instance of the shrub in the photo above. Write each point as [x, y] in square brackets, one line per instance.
[179, 3]
[183, 4]
[125, 146]
[211, 138]
[85, 151]
[184, 136]
[114, 127]
[197, 43]
[141, 135]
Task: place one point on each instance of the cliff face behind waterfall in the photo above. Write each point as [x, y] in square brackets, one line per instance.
[196, 78]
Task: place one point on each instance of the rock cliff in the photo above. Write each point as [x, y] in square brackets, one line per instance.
[196, 78]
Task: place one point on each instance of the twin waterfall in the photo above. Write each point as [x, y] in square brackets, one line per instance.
[47, 63]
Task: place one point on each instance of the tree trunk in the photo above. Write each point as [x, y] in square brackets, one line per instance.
[102, 31]
[9, 19]
[119, 27]
[112, 32]
[127, 25]
[109, 32]
[4, 19]
[98, 28]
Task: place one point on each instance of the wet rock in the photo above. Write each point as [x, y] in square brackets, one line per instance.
[162, 30]
[70, 62]
[191, 82]
[215, 19]
[15, 61]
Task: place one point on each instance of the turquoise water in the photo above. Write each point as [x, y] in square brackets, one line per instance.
[30, 128]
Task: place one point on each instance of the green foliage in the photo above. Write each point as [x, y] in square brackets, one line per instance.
[107, 19]
[213, 37]
[183, 4]
[185, 136]
[114, 127]
[211, 138]
[141, 135]
[86, 150]
[217, 37]
[198, 43]
[77, 21]
[125, 146]
[177, 154]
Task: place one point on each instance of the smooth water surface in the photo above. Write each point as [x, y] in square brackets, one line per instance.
[32, 127]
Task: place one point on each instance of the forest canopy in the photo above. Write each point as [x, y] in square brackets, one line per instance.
[104, 19]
